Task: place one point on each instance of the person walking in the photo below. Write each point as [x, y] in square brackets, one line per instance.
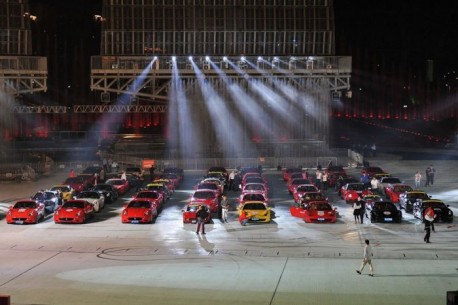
[231, 180]
[72, 174]
[429, 224]
[367, 258]
[362, 210]
[151, 173]
[324, 179]
[428, 176]
[417, 180]
[202, 215]
[356, 209]
[431, 174]
[318, 178]
[225, 206]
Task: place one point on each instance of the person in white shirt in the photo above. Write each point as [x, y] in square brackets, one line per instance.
[374, 184]
[367, 259]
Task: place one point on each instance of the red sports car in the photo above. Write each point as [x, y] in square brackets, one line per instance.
[121, 185]
[213, 186]
[189, 212]
[393, 191]
[287, 172]
[156, 198]
[351, 191]
[139, 211]
[372, 170]
[79, 183]
[301, 189]
[208, 198]
[315, 211]
[294, 183]
[25, 211]
[250, 188]
[74, 211]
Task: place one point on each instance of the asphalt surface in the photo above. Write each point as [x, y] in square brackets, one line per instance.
[284, 262]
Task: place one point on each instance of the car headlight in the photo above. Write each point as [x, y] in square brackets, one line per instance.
[56, 212]
[450, 212]
[124, 212]
[78, 214]
[31, 213]
[147, 213]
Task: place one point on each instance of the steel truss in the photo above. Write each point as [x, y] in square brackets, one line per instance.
[118, 75]
[23, 74]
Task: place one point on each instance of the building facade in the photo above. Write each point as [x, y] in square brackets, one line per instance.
[218, 27]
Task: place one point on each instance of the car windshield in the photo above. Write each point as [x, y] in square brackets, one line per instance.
[254, 206]
[306, 188]
[384, 206]
[391, 180]
[204, 195]
[115, 182]
[152, 195]
[207, 186]
[402, 188]
[254, 180]
[320, 206]
[139, 204]
[356, 187]
[192, 208]
[155, 187]
[25, 205]
[64, 189]
[73, 204]
[92, 195]
[254, 187]
[313, 197]
[416, 196]
[257, 197]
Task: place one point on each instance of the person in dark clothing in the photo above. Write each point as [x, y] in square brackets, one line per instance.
[151, 172]
[362, 210]
[202, 215]
[429, 225]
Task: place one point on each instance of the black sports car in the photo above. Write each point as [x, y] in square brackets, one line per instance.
[441, 211]
[385, 211]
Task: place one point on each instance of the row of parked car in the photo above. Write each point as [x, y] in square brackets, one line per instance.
[310, 204]
[253, 201]
[385, 197]
[79, 197]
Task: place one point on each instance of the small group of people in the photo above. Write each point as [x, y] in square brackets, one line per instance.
[202, 214]
[359, 210]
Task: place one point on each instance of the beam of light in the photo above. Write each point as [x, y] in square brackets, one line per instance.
[294, 108]
[98, 130]
[183, 137]
[229, 131]
[250, 109]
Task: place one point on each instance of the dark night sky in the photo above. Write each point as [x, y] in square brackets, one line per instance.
[400, 30]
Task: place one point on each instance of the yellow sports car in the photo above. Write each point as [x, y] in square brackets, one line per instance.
[67, 191]
[254, 211]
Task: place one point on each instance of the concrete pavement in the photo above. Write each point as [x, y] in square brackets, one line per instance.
[285, 262]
